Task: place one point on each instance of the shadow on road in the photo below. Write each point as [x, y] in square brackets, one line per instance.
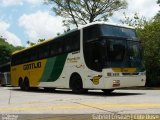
[89, 93]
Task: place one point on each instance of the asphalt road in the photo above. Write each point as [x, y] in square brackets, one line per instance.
[65, 103]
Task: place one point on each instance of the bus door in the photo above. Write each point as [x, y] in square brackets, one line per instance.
[94, 61]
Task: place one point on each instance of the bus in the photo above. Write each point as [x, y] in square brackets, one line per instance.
[96, 56]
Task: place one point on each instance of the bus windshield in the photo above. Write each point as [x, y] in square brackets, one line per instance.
[123, 53]
[114, 31]
[107, 46]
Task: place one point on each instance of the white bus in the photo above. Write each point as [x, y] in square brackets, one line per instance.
[96, 56]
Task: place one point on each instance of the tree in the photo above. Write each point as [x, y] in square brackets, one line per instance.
[5, 54]
[136, 21]
[150, 38]
[78, 12]
[32, 43]
[41, 40]
[148, 32]
[3, 41]
[157, 16]
[6, 50]
[158, 2]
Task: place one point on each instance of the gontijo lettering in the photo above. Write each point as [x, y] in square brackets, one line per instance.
[32, 66]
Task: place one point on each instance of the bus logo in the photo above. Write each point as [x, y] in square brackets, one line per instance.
[96, 79]
[32, 66]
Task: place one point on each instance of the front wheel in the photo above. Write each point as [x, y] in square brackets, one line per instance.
[76, 84]
[107, 91]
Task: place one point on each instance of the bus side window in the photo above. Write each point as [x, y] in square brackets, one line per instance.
[46, 51]
[75, 41]
[60, 47]
[53, 48]
[93, 57]
[17, 59]
[25, 57]
[68, 44]
[33, 54]
[43, 51]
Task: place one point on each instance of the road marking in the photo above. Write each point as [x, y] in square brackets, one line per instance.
[88, 106]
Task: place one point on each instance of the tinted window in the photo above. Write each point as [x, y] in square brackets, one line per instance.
[64, 44]
[41, 50]
[93, 54]
[75, 41]
[91, 33]
[116, 50]
[134, 54]
[53, 48]
[108, 30]
[33, 54]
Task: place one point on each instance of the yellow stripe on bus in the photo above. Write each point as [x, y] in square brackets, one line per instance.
[33, 73]
[126, 70]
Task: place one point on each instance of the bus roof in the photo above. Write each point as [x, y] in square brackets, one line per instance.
[46, 41]
[100, 23]
[81, 27]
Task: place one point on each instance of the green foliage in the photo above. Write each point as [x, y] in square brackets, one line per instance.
[32, 43]
[5, 54]
[158, 2]
[78, 12]
[158, 14]
[41, 40]
[149, 34]
[150, 38]
[6, 50]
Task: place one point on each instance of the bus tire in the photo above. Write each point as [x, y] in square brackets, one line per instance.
[107, 91]
[3, 85]
[26, 85]
[76, 84]
[20, 83]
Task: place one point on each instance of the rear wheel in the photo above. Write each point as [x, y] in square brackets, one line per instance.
[107, 91]
[76, 84]
[26, 85]
[20, 83]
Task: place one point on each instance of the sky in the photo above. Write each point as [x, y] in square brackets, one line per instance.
[30, 20]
